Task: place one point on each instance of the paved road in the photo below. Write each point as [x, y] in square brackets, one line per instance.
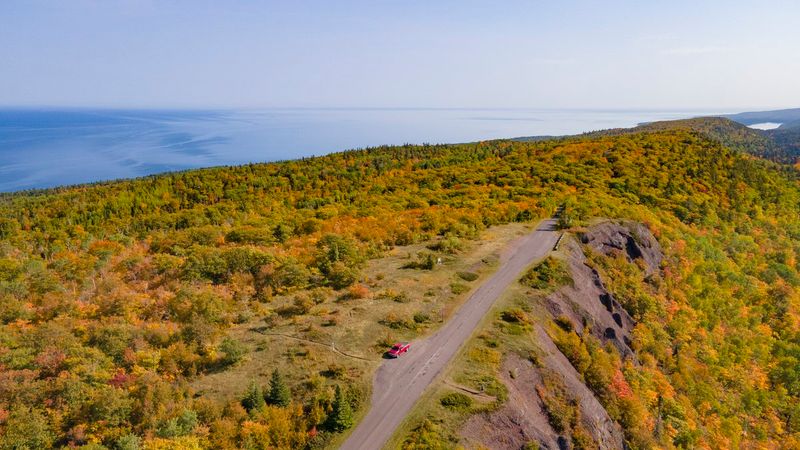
[400, 382]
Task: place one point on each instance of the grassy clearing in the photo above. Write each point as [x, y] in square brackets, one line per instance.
[296, 332]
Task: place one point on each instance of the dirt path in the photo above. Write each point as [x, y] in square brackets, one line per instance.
[399, 383]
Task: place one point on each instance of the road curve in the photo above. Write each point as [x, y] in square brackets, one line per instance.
[399, 383]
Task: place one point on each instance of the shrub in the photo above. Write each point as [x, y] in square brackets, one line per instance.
[491, 342]
[333, 249]
[581, 439]
[485, 355]
[301, 304]
[490, 385]
[427, 435]
[205, 263]
[421, 317]
[334, 371]
[393, 321]
[357, 291]
[291, 274]
[244, 315]
[515, 315]
[386, 341]
[564, 322]
[548, 274]
[319, 295]
[456, 401]
[165, 263]
[458, 288]
[448, 244]
[573, 347]
[339, 259]
[340, 275]
[565, 220]
[558, 408]
[467, 276]
[425, 261]
[282, 232]
[128, 442]
[233, 349]
[178, 426]
[399, 297]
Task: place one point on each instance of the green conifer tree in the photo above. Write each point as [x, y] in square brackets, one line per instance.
[341, 418]
[279, 394]
[254, 397]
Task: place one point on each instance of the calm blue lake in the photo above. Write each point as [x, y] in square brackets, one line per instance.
[45, 148]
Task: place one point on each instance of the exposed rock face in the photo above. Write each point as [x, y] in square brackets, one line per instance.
[588, 304]
[633, 239]
[604, 431]
[589, 307]
[524, 419]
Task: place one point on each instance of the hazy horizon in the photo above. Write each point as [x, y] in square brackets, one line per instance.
[145, 54]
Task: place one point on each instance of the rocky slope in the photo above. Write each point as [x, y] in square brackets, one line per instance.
[586, 306]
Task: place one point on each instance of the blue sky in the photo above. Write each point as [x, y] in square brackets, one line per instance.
[400, 53]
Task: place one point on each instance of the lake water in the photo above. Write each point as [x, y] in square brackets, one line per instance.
[765, 125]
[45, 148]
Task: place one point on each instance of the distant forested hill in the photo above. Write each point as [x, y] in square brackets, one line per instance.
[114, 297]
[780, 145]
[785, 139]
[727, 132]
[788, 118]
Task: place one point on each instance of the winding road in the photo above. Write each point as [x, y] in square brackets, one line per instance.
[399, 383]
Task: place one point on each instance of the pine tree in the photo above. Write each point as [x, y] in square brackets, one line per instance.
[278, 391]
[254, 398]
[341, 418]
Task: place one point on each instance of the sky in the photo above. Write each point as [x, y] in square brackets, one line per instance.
[698, 54]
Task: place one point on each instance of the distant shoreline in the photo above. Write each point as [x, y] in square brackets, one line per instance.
[46, 148]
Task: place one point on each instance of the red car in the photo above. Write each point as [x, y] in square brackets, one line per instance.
[398, 349]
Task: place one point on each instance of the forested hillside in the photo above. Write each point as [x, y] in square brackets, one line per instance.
[781, 145]
[115, 297]
[787, 142]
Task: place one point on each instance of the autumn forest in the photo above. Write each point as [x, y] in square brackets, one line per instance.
[118, 299]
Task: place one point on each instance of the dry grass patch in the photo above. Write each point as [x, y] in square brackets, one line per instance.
[303, 332]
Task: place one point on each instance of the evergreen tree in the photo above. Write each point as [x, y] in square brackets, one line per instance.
[278, 391]
[341, 418]
[128, 442]
[254, 398]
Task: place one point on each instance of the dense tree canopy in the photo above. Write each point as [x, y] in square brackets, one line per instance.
[113, 296]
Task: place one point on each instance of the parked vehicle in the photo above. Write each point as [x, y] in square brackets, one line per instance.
[398, 349]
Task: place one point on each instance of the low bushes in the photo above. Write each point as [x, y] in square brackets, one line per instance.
[467, 276]
[547, 275]
[456, 401]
